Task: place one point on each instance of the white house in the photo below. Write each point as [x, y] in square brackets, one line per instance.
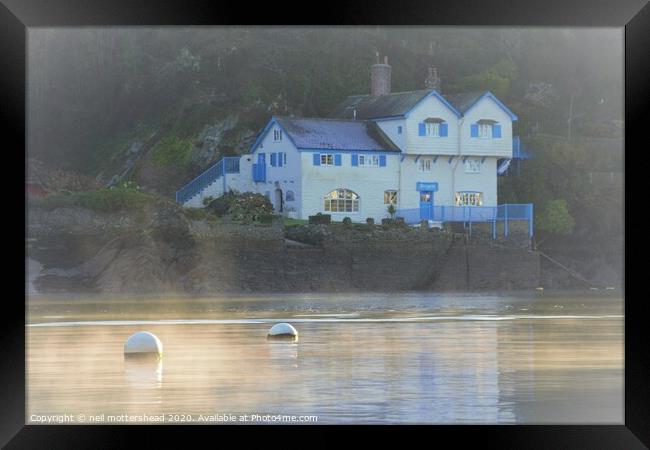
[419, 150]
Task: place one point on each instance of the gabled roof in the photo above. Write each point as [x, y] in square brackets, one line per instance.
[466, 101]
[333, 134]
[399, 104]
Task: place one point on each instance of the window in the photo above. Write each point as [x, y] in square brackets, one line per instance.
[327, 159]
[432, 129]
[290, 196]
[424, 165]
[342, 200]
[390, 197]
[469, 199]
[484, 130]
[399, 129]
[284, 158]
[369, 160]
[277, 135]
[472, 165]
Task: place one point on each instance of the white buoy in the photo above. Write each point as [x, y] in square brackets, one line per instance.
[143, 344]
[283, 331]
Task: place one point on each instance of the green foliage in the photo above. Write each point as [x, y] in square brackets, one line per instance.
[289, 222]
[125, 197]
[220, 206]
[320, 219]
[347, 222]
[172, 151]
[391, 210]
[554, 218]
[249, 207]
[496, 79]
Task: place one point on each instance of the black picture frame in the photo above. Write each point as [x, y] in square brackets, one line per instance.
[17, 15]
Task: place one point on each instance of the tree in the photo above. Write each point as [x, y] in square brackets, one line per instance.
[554, 218]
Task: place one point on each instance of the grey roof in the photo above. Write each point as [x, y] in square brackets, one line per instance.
[463, 101]
[369, 107]
[335, 134]
[397, 104]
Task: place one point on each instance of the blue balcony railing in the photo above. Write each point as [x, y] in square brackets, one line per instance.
[259, 172]
[223, 166]
[473, 214]
[518, 150]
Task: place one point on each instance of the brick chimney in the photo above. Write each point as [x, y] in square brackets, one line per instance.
[380, 78]
[433, 80]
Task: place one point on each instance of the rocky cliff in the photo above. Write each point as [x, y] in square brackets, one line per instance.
[161, 251]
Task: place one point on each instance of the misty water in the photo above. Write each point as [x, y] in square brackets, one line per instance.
[360, 358]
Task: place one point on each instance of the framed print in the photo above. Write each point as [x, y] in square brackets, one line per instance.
[414, 220]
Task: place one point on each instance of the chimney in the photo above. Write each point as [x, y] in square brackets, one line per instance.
[380, 78]
[432, 81]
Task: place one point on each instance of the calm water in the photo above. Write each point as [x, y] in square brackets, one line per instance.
[402, 358]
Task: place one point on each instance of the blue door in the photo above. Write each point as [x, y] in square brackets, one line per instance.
[426, 205]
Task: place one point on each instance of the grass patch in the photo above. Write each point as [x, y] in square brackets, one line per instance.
[102, 200]
[290, 222]
[172, 151]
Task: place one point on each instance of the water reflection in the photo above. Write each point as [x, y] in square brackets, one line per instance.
[539, 368]
[143, 374]
[283, 353]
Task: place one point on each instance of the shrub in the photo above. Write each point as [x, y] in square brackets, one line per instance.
[347, 222]
[112, 199]
[387, 221]
[424, 224]
[195, 213]
[399, 221]
[221, 205]
[266, 219]
[207, 200]
[320, 219]
[391, 210]
[250, 207]
[370, 221]
[172, 151]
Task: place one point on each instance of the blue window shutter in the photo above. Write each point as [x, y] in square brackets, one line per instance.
[337, 159]
[382, 160]
[421, 129]
[273, 159]
[317, 159]
[280, 159]
[474, 130]
[355, 159]
[496, 130]
[443, 130]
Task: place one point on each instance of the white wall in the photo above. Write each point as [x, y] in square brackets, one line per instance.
[435, 108]
[286, 178]
[368, 182]
[487, 109]
[451, 178]
[390, 127]
[431, 107]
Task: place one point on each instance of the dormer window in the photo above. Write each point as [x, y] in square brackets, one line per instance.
[277, 135]
[486, 129]
[433, 127]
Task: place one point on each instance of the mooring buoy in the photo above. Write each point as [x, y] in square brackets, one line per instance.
[283, 331]
[143, 345]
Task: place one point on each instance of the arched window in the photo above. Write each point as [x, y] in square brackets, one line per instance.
[289, 196]
[342, 200]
